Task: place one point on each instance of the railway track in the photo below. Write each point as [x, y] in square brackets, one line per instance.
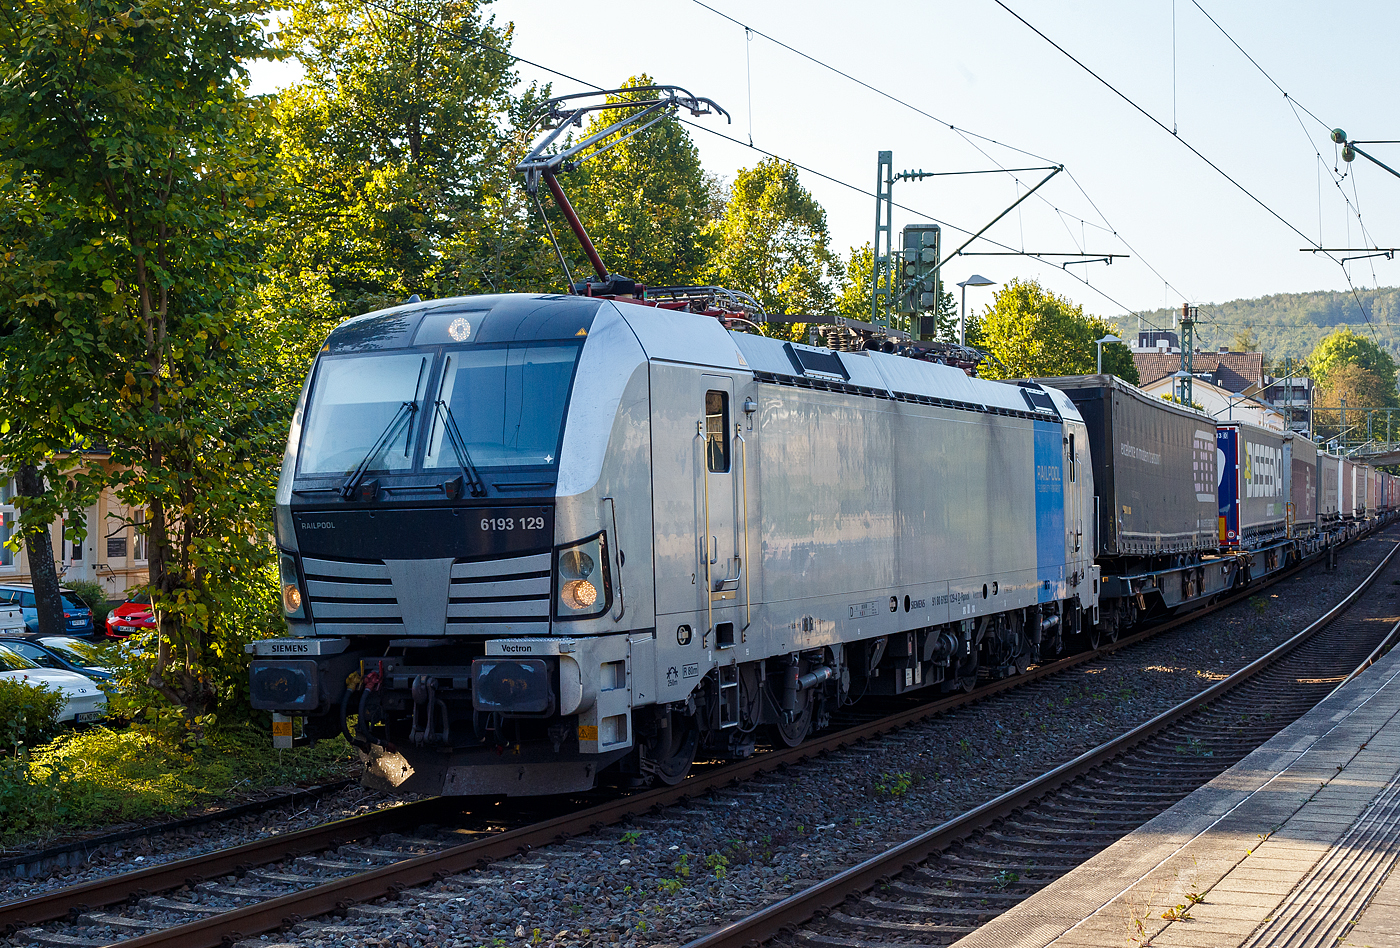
[947, 882]
[275, 883]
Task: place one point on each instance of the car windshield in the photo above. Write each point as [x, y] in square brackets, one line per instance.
[356, 401]
[77, 652]
[27, 601]
[11, 661]
[508, 405]
[140, 599]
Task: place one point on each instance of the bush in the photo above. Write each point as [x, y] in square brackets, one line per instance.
[94, 597]
[99, 776]
[28, 714]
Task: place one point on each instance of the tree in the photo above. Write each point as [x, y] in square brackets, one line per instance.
[1361, 387]
[125, 128]
[1344, 347]
[772, 242]
[400, 145]
[646, 202]
[1033, 333]
[1245, 340]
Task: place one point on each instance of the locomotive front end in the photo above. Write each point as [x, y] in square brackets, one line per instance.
[453, 590]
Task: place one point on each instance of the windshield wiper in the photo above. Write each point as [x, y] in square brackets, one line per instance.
[405, 412]
[459, 447]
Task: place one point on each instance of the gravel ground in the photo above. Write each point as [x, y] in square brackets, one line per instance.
[661, 880]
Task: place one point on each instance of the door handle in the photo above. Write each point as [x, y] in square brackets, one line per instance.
[714, 550]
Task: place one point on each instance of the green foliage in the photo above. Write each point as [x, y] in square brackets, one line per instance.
[646, 203]
[853, 300]
[1344, 349]
[99, 776]
[772, 243]
[93, 596]
[28, 714]
[1033, 333]
[399, 147]
[133, 174]
[895, 784]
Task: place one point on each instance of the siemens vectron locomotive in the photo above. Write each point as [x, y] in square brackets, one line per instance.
[528, 541]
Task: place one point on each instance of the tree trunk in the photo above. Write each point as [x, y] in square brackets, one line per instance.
[38, 547]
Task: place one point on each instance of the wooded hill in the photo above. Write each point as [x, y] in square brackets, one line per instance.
[1289, 324]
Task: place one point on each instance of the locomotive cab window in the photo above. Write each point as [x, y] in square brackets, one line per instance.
[716, 426]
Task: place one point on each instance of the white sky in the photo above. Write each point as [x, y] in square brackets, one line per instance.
[970, 63]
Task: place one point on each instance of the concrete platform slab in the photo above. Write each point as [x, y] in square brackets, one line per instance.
[1294, 846]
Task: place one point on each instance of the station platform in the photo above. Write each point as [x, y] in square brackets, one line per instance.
[1294, 846]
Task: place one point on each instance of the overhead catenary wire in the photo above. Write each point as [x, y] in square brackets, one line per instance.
[967, 136]
[1192, 148]
[964, 132]
[918, 213]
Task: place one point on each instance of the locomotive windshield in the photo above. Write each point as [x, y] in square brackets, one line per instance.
[382, 410]
[358, 399]
[508, 404]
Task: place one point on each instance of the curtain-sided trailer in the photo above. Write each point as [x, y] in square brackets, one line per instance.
[1252, 487]
[1329, 500]
[1303, 469]
[1154, 468]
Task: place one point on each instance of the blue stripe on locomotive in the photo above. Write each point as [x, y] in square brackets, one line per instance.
[1049, 509]
[1227, 459]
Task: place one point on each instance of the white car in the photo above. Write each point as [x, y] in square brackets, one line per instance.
[12, 618]
[83, 701]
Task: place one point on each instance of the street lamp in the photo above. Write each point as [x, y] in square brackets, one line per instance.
[973, 280]
[1179, 386]
[1098, 351]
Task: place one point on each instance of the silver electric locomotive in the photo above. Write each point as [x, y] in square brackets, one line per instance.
[529, 539]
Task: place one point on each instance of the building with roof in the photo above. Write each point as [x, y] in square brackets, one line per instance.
[1222, 404]
[113, 554]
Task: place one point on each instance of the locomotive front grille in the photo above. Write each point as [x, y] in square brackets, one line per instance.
[509, 595]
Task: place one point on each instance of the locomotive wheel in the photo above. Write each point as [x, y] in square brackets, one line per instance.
[1094, 633]
[794, 732]
[675, 750]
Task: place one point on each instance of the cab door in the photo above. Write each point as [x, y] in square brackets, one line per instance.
[695, 465]
[720, 558]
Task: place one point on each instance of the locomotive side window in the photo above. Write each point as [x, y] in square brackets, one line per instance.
[716, 426]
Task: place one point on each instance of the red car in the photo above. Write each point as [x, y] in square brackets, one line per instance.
[134, 615]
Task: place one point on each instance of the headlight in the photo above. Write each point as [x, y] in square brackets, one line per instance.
[292, 605]
[512, 685]
[584, 590]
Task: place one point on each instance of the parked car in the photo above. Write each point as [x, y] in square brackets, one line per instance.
[134, 615]
[63, 651]
[77, 617]
[83, 701]
[11, 618]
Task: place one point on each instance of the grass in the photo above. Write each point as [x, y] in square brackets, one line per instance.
[98, 777]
